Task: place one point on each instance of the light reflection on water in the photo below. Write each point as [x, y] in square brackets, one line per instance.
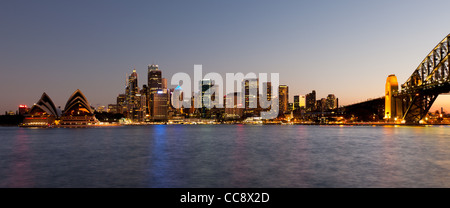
[226, 156]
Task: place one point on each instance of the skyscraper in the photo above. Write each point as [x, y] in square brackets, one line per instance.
[302, 101]
[283, 94]
[296, 102]
[205, 98]
[310, 99]
[121, 107]
[132, 88]
[159, 107]
[154, 79]
[331, 102]
[132, 98]
[154, 85]
[250, 91]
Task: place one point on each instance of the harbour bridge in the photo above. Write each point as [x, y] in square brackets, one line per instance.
[430, 79]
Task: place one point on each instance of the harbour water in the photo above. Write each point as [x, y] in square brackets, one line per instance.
[190, 156]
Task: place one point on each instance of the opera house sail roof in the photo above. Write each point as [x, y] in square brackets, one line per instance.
[78, 111]
[42, 113]
[46, 104]
[77, 104]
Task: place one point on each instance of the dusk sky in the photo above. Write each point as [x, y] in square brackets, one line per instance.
[346, 48]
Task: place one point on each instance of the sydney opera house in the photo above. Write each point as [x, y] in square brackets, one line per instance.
[77, 112]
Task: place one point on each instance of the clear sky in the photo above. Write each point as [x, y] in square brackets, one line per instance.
[347, 48]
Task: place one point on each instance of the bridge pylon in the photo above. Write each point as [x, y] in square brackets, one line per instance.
[431, 78]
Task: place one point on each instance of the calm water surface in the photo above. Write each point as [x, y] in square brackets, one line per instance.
[226, 156]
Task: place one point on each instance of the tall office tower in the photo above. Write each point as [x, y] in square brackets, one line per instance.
[296, 102]
[144, 106]
[154, 84]
[121, 103]
[205, 97]
[331, 102]
[250, 93]
[302, 101]
[154, 79]
[321, 105]
[310, 101]
[159, 107]
[283, 96]
[132, 90]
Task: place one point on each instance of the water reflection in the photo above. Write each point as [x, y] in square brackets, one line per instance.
[159, 158]
[21, 176]
[226, 156]
[239, 171]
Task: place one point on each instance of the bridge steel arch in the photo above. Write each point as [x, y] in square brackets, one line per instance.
[431, 78]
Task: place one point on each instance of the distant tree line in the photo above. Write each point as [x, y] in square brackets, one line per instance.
[11, 120]
[108, 117]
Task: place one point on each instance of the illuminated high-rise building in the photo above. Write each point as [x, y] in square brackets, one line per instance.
[331, 102]
[283, 98]
[310, 100]
[250, 91]
[154, 85]
[302, 101]
[159, 106]
[296, 102]
[154, 79]
[121, 106]
[132, 96]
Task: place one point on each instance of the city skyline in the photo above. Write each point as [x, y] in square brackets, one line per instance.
[346, 48]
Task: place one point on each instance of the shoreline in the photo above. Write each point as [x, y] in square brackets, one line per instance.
[250, 124]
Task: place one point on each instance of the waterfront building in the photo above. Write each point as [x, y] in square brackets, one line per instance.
[42, 113]
[160, 106]
[77, 111]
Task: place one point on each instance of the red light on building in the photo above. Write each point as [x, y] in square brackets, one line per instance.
[23, 109]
